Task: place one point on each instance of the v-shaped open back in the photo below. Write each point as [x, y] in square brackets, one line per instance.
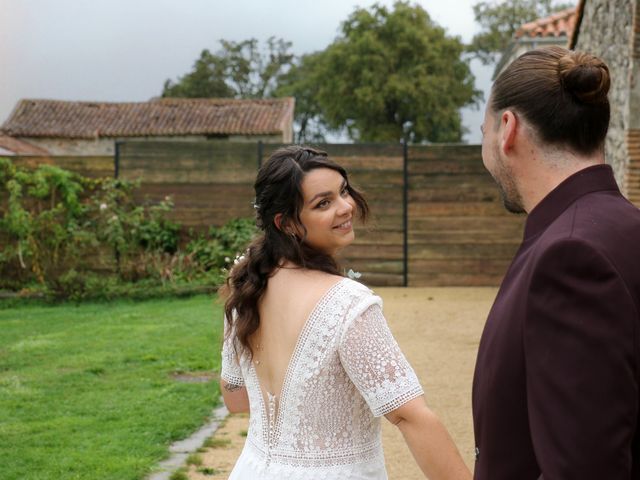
[271, 397]
[344, 371]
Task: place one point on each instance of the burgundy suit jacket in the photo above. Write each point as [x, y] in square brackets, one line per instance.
[556, 385]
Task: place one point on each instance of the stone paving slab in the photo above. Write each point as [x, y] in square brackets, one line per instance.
[180, 450]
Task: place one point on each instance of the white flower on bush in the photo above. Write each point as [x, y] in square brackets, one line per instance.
[238, 259]
[227, 259]
[103, 206]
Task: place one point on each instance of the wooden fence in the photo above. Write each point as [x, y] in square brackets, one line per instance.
[209, 182]
[437, 218]
[459, 231]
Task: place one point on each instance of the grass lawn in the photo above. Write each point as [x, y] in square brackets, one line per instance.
[88, 391]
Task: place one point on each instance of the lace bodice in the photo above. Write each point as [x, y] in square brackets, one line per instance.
[346, 371]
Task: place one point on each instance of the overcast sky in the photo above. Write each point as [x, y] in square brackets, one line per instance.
[124, 50]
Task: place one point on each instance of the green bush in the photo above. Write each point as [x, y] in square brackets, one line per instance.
[41, 224]
[79, 238]
[129, 229]
[222, 245]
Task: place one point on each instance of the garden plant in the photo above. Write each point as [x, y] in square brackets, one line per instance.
[71, 237]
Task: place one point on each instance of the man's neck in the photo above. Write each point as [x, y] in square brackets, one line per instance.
[543, 177]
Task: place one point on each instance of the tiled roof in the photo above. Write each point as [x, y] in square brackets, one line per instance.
[165, 116]
[19, 147]
[556, 29]
[559, 24]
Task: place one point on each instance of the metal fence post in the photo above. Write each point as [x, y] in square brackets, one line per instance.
[405, 213]
[260, 153]
[116, 159]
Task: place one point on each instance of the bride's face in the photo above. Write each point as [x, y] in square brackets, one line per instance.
[327, 211]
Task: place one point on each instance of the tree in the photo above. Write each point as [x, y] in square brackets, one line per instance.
[301, 82]
[237, 70]
[390, 75]
[207, 79]
[501, 19]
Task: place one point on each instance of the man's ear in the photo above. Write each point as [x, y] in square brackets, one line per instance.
[509, 126]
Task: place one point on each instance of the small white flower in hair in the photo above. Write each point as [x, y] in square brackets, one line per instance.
[353, 275]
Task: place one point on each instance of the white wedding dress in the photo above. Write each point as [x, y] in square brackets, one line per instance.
[346, 371]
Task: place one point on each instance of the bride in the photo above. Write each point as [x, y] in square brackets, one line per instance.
[307, 351]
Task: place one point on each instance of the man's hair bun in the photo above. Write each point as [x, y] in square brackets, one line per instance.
[561, 93]
[585, 77]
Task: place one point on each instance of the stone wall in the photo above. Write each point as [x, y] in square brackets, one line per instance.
[607, 32]
[73, 146]
[106, 146]
[632, 184]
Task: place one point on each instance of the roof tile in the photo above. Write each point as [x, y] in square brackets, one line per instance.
[165, 116]
[559, 24]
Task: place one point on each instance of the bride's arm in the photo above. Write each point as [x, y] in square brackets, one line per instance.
[375, 364]
[235, 397]
[429, 441]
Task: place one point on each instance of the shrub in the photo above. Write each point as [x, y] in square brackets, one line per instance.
[222, 245]
[41, 223]
[80, 238]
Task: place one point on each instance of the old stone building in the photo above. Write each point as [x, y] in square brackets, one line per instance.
[610, 29]
[10, 146]
[92, 128]
[555, 29]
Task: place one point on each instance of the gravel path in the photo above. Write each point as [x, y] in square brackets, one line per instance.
[438, 330]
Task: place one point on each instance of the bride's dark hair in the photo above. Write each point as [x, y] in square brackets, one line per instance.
[278, 190]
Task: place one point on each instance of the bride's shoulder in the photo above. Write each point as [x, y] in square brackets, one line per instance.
[326, 282]
[359, 293]
[356, 286]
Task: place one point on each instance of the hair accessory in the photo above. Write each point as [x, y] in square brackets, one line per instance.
[353, 275]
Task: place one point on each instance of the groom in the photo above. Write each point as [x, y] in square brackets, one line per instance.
[556, 392]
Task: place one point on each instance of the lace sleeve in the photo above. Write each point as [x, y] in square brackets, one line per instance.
[230, 371]
[375, 364]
